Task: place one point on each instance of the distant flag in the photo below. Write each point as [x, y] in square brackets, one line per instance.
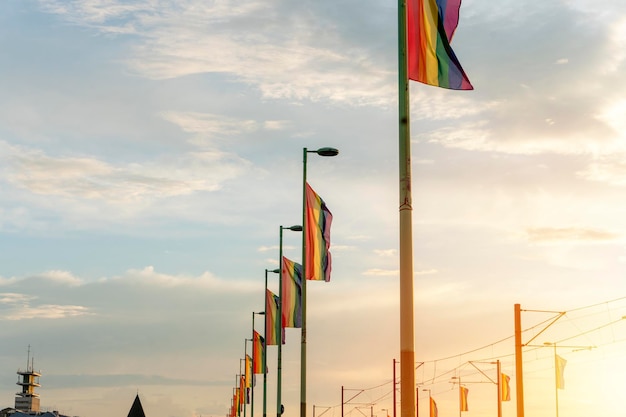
[248, 371]
[559, 366]
[292, 293]
[433, 408]
[258, 353]
[242, 390]
[463, 398]
[317, 237]
[233, 406]
[430, 59]
[505, 388]
[271, 311]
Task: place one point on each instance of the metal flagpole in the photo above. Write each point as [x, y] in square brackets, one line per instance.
[407, 337]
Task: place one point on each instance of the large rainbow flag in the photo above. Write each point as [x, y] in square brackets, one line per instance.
[430, 59]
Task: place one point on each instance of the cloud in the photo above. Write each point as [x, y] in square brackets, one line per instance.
[177, 39]
[381, 272]
[60, 381]
[386, 252]
[81, 188]
[211, 125]
[45, 311]
[571, 234]
[395, 272]
[89, 178]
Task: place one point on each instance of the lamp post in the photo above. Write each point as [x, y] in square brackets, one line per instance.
[275, 271]
[279, 313]
[557, 376]
[254, 359]
[460, 393]
[429, 401]
[305, 152]
[245, 372]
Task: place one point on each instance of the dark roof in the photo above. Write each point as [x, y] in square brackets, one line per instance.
[136, 410]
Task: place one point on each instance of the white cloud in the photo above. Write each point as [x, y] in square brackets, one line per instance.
[134, 185]
[45, 311]
[386, 252]
[176, 39]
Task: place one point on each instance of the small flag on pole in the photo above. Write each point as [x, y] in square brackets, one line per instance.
[242, 390]
[463, 398]
[505, 388]
[291, 274]
[317, 237]
[258, 353]
[559, 366]
[272, 323]
[433, 408]
[248, 371]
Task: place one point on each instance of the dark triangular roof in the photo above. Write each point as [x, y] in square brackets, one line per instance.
[136, 410]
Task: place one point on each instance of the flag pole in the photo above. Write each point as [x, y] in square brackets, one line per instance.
[407, 337]
[499, 387]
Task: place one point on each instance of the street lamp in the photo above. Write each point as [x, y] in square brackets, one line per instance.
[279, 314]
[275, 271]
[254, 359]
[460, 393]
[430, 404]
[321, 152]
[245, 372]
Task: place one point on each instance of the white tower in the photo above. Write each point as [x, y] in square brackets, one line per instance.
[28, 399]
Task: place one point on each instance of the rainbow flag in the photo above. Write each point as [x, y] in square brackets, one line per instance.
[291, 274]
[242, 390]
[463, 398]
[271, 322]
[248, 371]
[433, 408]
[317, 237]
[258, 353]
[430, 26]
[505, 387]
[233, 405]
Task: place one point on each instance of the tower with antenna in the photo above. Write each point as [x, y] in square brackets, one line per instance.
[28, 400]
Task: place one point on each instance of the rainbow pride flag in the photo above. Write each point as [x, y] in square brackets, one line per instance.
[242, 390]
[248, 372]
[317, 237]
[291, 274]
[258, 353]
[271, 318]
[430, 59]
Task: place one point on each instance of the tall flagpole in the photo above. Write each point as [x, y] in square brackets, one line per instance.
[407, 337]
[303, 292]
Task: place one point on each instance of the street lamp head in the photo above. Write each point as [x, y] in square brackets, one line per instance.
[276, 271]
[260, 313]
[327, 152]
[295, 228]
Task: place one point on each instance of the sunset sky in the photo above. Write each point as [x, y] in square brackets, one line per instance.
[151, 149]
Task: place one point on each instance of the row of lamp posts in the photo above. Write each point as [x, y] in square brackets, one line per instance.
[328, 152]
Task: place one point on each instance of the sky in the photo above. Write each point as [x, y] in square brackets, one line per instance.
[150, 150]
